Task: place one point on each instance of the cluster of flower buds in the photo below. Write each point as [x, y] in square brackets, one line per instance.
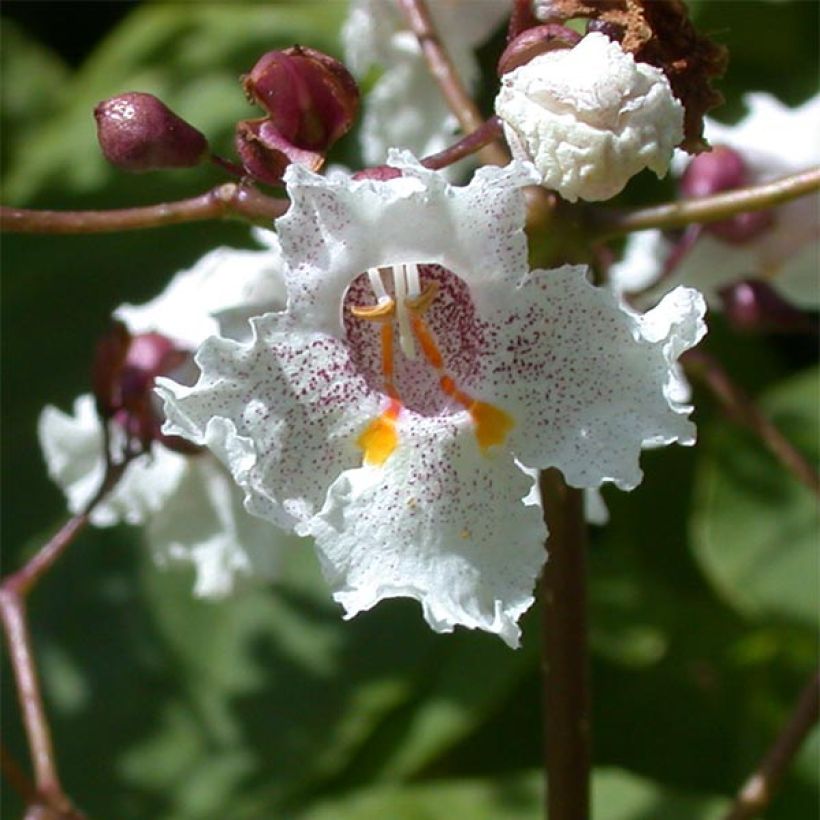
[724, 169]
[125, 367]
[138, 132]
[310, 101]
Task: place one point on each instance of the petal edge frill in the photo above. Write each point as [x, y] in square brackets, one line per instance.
[440, 522]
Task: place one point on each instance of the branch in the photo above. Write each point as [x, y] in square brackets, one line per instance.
[743, 410]
[13, 592]
[455, 93]
[230, 200]
[608, 223]
[566, 671]
[758, 790]
[488, 131]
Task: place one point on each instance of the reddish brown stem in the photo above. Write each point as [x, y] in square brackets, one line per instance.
[758, 790]
[230, 200]
[444, 72]
[488, 131]
[608, 223]
[13, 592]
[566, 668]
[740, 407]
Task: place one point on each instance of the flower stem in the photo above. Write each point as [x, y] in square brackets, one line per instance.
[488, 131]
[758, 790]
[743, 410]
[230, 200]
[566, 660]
[608, 223]
[445, 74]
[13, 592]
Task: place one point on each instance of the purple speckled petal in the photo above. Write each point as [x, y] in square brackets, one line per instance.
[284, 411]
[587, 381]
[440, 522]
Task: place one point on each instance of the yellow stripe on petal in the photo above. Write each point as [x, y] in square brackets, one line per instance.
[381, 437]
[492, 424]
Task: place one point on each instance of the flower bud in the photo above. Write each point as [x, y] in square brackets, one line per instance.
[535, 41]
[137, 133]
[265, 154]
[724, 169]
[589, 118]
[754, 306]
[310, 98]
[125, 368]
[381, 173]
[720, 169]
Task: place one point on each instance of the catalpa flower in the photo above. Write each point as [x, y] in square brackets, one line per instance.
[188, 503]
[419, 369]
[771, 141]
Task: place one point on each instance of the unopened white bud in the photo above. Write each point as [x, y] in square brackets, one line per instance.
[590, 117]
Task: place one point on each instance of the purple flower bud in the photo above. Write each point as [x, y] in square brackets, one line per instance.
[311, 99]
[265, 154]
[721, 169]
[125, 368]
[724, 169]
[534, 41]
[379, 172]
[138, 133]
[754, 306]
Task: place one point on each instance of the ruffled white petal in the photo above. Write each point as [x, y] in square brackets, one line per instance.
[72, 446]
[191, 509]
[440, 522]
[774, 140]
[284, 412]
[203, 523]
[587, 381]
[216, 296]
[336, 229]
[590, 118]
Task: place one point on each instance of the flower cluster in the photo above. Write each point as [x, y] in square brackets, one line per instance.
[388, 377]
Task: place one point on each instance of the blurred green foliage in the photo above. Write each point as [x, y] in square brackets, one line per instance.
[703, 587]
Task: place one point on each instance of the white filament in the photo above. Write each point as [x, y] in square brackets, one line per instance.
[405, 333]
[375, 276]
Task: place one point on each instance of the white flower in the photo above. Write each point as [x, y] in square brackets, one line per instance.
[590, 118]
[774, 141]
[387, 412]
[189, 504]
[405, 106]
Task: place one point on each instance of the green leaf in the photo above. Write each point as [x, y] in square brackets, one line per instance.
[620, 795]
[616, 795]
[755, 527]
[32, 89]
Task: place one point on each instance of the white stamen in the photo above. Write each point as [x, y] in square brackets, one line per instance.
[405, 333]
[413, 282]
[378, 285]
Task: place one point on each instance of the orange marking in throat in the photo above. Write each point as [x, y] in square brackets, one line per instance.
[426, 341]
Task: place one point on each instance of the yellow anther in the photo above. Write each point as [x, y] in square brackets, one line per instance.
[424, 299]
[383, 310]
